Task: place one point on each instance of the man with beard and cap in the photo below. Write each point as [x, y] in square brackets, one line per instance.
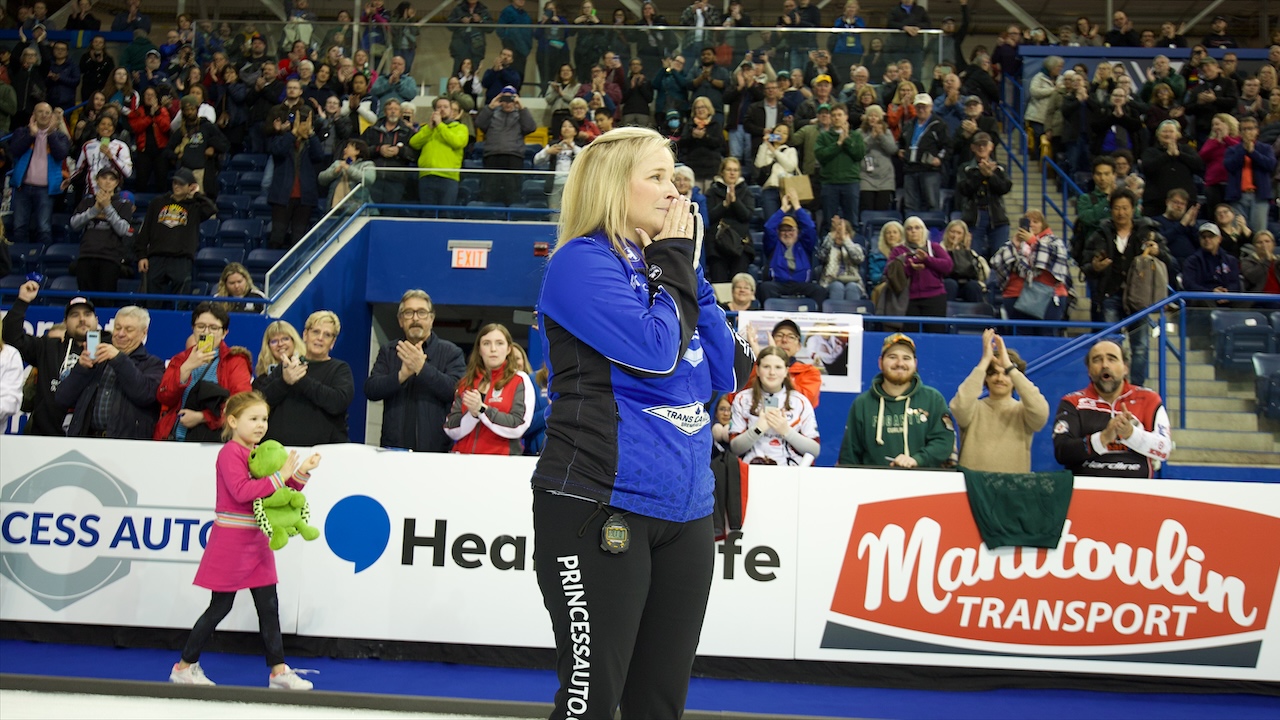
[899, 421]
[1111, 428]
[53, 359]
[416, 378]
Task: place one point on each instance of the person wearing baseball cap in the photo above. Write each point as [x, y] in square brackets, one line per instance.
[169, 237]
[1211, 269]
[822, 95]
[505, 121]
[52, 358]
[106, 243]
[790, 238]
[898, 421]
[923, 146]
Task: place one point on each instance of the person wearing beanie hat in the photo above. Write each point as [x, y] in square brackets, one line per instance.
[898, 421]
[52, 358]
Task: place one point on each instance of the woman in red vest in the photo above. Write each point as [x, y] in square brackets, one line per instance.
[494, 404]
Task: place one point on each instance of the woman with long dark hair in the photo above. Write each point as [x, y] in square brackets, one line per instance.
[631, 526]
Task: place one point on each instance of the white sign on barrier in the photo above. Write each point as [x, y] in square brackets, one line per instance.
[1166, 578]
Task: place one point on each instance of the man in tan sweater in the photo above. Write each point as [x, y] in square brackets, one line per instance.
[996, 431]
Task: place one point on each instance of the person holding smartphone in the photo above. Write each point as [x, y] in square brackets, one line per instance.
[773, 423]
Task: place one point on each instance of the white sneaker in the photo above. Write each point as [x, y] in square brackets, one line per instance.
[193, 674]
[288, 680]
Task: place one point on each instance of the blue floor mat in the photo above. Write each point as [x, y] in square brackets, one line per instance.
[487, 683]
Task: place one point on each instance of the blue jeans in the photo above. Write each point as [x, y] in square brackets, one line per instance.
[987, 239]
[436, 190]
[1254, 208]
[770, 201]
[32, 205]
[740, 145]
[923, 191]
[843, 291]
[1139, 337]
[840, 200]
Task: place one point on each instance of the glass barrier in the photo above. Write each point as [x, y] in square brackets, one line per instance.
[434, 52]
[298, 260]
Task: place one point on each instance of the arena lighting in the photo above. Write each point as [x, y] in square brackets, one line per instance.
[470, 254]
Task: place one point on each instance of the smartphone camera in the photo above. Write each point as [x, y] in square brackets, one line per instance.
[1024, 224]
[91, 340]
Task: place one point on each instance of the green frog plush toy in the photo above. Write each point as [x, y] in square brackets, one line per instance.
[284, 512]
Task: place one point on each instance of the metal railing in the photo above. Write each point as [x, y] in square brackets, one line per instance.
[1069, 190]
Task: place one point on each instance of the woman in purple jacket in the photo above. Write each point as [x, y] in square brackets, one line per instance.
[926, 263]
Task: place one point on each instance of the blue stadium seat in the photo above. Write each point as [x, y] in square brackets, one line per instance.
[209, 232]
[860, 307]
[210, 262]
[475, 211]
[1237, 335]
[260, 209]
[240, 233]
[968, 310]
[128, 285]
[62, 228]
[533, 189]
[1266, 384]
[228, 180]
[1275, 328]
[234, 206]
[57, 258]
[791, 304]
[250, 183]
[12, 281]
[261, 260]
[247, 162]
[202, 288]
[66, 282]
[142, 201]
[25, 256]
[933, 220]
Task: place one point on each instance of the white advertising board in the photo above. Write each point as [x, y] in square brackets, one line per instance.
[1171, 578]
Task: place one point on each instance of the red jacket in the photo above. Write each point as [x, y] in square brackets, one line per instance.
[499, 429]
[140, 123]
[234, 373]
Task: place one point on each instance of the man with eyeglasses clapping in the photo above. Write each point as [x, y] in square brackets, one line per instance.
[415, 378]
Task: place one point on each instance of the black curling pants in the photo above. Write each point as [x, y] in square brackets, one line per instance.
[268, 606]
[627, 625]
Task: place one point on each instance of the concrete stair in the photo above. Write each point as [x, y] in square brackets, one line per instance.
[1221, 425]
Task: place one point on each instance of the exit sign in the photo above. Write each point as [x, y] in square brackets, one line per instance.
[470, 258]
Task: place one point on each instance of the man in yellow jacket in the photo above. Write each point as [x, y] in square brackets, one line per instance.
[440, 142]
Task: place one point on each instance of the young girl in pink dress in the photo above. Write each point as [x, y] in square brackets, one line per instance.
[237, 555]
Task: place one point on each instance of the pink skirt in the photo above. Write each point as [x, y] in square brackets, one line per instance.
[236, 559]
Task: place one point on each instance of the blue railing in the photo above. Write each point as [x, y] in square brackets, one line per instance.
[1081, 342]
[1069, 190]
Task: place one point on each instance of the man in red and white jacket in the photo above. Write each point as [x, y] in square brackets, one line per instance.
[1111, 428]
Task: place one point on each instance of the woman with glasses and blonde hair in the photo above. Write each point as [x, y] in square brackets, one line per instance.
[629, 372]
[926, 264]
[493, 406]
[279, 341]
[309, 395]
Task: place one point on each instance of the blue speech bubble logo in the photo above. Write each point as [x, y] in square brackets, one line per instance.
[357, 530]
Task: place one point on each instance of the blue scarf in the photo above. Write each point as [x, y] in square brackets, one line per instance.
[180, 430]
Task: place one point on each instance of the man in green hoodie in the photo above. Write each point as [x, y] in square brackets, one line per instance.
[840, 150]
[899, 422]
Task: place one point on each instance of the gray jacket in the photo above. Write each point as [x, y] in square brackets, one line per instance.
[504, 130]
[877, 166]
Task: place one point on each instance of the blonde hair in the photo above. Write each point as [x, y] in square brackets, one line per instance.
[596, 193]
[323, 316]
[907, 87]
[965, 240]
[233, 268]
[1233, 125]
[702, 101]
[883, 245]
[236, 405]
[265, 358]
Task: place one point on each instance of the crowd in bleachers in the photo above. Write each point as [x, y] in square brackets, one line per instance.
[816, 159]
